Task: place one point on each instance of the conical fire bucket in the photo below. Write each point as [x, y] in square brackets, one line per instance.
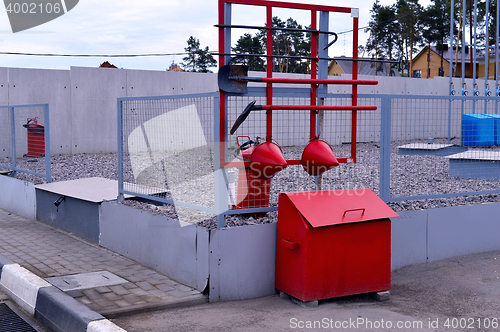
[266, 160]
[318, 157]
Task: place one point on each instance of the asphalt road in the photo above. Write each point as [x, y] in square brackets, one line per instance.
[456, 294]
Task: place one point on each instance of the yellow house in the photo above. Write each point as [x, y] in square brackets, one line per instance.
[427, 63]
[491, 66]
[343, 65]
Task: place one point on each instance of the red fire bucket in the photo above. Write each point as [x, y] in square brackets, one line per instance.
[266, 160]
[318, 157]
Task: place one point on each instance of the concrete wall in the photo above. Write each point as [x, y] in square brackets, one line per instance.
[83, 104]
[82, 101]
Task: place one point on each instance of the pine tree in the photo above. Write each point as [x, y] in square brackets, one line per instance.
[198, 59]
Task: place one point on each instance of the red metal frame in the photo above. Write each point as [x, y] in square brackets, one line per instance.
[315, 81]
[269, 80]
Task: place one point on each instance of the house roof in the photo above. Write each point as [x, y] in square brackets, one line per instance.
[446, 54]
[106, 64]
[365, 67]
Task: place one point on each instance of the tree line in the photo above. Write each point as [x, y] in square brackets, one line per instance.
[396, 30]
[400, 29]
[290, 44]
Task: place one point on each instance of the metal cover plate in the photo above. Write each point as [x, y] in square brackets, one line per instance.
[85, 280]
[425, 146]
[335, 207]
[95, 190]
[476, 155]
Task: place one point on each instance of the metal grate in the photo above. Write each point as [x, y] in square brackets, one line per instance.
[11, 322]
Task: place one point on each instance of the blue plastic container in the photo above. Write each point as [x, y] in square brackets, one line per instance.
[497, 127]
[478, 130]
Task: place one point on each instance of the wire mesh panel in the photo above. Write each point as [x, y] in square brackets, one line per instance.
[25, 139]
[443, 146]
[337, 130]
[291, 131]
[166, 146]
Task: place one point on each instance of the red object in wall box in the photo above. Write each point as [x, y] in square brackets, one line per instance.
[333, 243]
[36, 138]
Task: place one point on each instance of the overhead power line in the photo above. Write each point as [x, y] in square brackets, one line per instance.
[142, 55]
[365, 27]
[92, 55]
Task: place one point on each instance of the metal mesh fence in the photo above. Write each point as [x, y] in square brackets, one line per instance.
[24, 132]
[291, 131]
[443, 146]
[436, 147]
[167, 150]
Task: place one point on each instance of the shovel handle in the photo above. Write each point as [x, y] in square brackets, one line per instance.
[250, 107]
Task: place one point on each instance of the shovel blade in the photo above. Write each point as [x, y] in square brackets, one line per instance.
[232, 85]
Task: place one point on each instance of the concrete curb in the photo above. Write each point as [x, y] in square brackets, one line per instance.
[48, 304]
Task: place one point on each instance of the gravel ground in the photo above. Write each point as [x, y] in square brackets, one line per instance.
[410, 175]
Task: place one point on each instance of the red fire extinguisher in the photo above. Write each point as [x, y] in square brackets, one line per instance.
[254, 181]
[252, 192]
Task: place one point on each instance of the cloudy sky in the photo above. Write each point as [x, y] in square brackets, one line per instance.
[149, 26]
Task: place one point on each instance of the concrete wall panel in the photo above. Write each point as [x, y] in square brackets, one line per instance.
[4, 86]
[409, 238]
[194, 82]
[93, 108]
[40, 86]
[156, 242]
[202, 258]
[4, 113]
[18, 197]
[145, 83]
[246, 261]
[463, 230]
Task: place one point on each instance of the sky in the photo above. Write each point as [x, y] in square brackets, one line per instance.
[98, 27]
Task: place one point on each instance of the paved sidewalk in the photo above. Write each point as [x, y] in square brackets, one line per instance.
[48, 252]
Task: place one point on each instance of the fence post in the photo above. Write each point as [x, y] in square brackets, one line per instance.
[385, 148]
[13, 141]
[221, 181]
[48, 170]
[120, 197]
